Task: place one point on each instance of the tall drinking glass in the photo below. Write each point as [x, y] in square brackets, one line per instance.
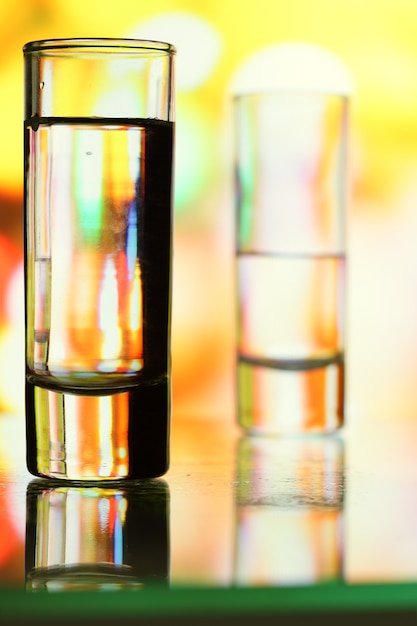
[290, 260]
[99, 123]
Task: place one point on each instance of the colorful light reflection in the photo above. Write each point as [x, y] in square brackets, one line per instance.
[377, 43]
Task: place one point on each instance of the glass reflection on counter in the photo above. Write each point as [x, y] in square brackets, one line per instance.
[97, 538]
[289, 511]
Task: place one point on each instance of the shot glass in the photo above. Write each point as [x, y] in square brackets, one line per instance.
[290, 193]
[99, 124]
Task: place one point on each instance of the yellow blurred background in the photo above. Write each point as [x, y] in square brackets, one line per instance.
[376, 40]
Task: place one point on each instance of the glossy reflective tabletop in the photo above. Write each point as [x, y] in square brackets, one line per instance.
[240, 530]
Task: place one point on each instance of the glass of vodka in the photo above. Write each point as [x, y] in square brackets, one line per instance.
[99, 126]
[290, 192]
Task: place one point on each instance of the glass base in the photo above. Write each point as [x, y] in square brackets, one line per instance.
[96, 438]
[305, 397]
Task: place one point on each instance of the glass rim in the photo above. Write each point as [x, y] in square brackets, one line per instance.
[104, 44]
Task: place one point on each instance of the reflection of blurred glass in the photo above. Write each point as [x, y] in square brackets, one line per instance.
[96, 538]
[289, 511]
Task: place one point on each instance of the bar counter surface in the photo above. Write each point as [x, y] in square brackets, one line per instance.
[239, 531]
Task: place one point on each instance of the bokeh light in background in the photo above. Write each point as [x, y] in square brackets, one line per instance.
[376, 41]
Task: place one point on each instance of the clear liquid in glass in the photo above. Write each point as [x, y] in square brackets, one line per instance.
[290, 357]
[98, 279]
